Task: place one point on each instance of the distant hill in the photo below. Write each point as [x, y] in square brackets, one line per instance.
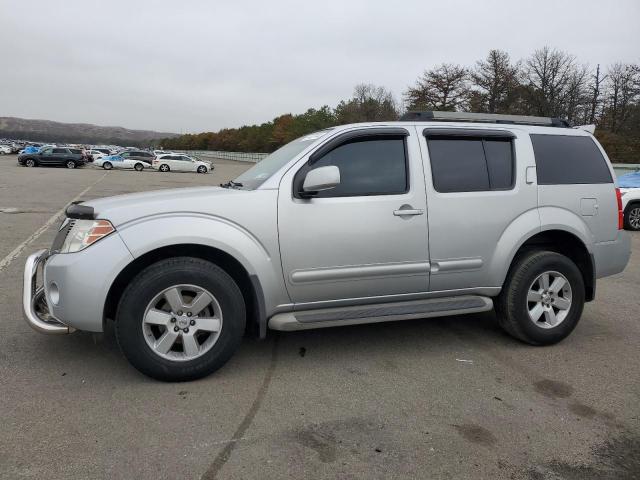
[48, 131]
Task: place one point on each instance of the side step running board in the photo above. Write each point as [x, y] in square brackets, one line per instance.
[384, 312]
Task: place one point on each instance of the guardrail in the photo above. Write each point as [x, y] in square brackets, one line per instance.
[254, 157]
[251, 157]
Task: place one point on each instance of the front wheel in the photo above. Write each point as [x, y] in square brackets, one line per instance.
[180, 319]
[71, 164]
[30, 162]
[107, 165]
[138, 167]
[164, 167]
[542, 299]
[632, 217]
[202, 169]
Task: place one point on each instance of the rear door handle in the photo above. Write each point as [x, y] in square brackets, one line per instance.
[407, 211]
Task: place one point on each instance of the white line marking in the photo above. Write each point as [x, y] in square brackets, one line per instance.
[6, 261]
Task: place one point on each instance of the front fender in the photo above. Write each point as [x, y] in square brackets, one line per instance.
[259, 257]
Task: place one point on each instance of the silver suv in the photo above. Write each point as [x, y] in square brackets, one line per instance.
[437, 214]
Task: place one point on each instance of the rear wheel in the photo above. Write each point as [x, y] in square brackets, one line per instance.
[180, 319]
[164, 167]
[71, 164]
[542, 298]
[107, 165]
[202, 169]
[138, 167]
[30, 162]
[632, 217]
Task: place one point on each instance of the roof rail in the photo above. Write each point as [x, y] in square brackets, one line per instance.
[435, 116]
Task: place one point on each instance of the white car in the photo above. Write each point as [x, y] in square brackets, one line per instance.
[116, 161]
[631, 208]
[177, 162]
[96, 154]
[5, 149]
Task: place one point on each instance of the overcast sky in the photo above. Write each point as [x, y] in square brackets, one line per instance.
[190, 66]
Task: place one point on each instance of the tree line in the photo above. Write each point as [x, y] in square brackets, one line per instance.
[548, 83]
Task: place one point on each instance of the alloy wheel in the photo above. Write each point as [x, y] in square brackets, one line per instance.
[183, 322]
[634, 218]
[549, 299]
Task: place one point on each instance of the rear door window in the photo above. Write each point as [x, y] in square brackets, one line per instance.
[564, 159]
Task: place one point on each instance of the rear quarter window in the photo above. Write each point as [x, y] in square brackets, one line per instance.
[564, 159]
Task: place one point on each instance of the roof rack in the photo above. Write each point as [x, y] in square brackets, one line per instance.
[435, 116]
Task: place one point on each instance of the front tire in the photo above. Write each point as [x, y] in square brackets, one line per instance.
[138, 167]
[632, 217]
[30, 162]
[107, 165]
[202, 169]
[180, 319]
[542, 299]
[164, 168]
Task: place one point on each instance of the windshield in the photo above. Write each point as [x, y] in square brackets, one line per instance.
[261, 171]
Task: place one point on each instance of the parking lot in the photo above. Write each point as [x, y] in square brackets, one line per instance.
[432, 399]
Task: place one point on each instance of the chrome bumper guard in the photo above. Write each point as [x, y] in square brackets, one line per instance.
[34, 303]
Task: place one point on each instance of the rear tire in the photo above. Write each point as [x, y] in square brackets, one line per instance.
[632, 217]
[138, 167]
[107, 165]
[71, 164]
[139, 343]
[528, 311]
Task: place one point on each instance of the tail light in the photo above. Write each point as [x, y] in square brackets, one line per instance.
[620, 212]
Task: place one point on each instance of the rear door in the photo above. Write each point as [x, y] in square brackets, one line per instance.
[477, 187]
[61, 155]
[45, 156]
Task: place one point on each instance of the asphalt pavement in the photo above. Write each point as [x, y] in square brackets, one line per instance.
[444, 398]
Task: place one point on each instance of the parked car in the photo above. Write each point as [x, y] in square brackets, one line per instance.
[52, 156]
[96, 154]
[138, 155]
[5, 150]
[81, 151]
[120, 162]
[443, 213]
[180, 163]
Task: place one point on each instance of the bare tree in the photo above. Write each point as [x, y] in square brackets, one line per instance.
[369, 103]
[576, 96]
[596, 93]
[442, 88]
[624, 88]
[548, 73]
[496, 81]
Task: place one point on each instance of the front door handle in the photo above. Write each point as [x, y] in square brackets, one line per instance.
[407, 210]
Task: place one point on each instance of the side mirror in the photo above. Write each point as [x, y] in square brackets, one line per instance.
[319, 179]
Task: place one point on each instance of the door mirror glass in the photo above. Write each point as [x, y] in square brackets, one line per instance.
[322, 178]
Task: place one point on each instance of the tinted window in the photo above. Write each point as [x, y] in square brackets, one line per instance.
[470, 164]
[60, 150]
[563, 159]
[47, 150]
[499, 155]
[370, 166]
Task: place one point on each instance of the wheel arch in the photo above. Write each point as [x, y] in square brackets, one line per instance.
[248, 283]
[565, 243]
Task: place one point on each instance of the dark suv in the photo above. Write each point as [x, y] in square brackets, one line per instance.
[52, 157]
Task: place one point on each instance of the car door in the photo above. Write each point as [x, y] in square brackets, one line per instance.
[478, 187]
[354, 241]
[61, 155]
[45, 156]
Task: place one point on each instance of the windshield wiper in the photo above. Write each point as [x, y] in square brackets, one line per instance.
[231, 184]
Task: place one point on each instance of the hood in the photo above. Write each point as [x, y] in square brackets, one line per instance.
[124, 208]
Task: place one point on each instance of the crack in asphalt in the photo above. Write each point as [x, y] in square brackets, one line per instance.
[224, 455]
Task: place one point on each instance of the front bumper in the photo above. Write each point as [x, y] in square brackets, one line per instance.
[34, 302]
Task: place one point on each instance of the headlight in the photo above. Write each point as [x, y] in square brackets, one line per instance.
[84, 233]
